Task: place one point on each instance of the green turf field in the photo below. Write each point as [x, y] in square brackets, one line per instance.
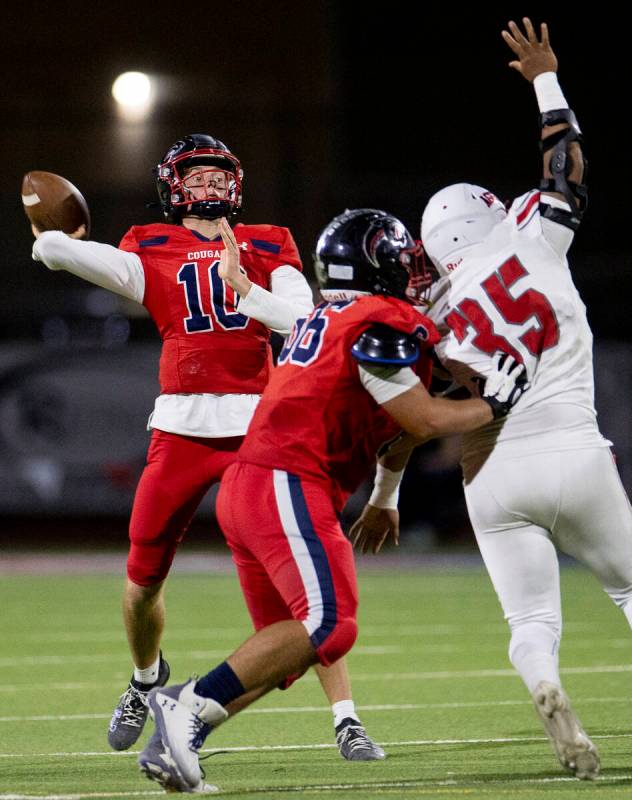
[431, 679]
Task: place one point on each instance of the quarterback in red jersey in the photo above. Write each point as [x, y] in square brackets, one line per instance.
[343, 388]
[214, 293]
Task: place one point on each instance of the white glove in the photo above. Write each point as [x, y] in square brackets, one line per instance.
[505, 385]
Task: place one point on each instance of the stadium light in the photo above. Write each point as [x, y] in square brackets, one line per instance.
[134, 94]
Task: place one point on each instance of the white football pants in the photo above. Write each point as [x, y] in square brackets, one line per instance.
[521, 509]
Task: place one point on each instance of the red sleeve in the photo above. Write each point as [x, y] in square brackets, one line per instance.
[403, 317]
[289, 251]
[423, 368]
[274, 244]
[427, 331]
[129, 242]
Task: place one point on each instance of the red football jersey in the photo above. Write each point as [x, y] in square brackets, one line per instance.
[315, 418]
[208, 346]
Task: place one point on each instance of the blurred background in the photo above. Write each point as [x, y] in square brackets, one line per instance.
[328, 105]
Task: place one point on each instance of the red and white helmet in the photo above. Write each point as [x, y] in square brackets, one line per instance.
[457, 217]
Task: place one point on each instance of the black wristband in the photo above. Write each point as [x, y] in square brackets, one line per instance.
[499, 409]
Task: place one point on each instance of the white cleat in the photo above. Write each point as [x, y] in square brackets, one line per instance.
[183, 721]
[158, 765]
[570, 742]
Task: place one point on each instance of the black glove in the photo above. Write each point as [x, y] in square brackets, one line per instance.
[505, 385]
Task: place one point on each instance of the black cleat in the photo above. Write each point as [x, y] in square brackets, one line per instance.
[355, 744]
[130, 714]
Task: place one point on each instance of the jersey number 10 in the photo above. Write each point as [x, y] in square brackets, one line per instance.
[223, 308]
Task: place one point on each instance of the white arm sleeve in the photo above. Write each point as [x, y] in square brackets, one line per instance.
[101, 264]
[558, 236]
[385, 383]
[290, 298]
[548, 92]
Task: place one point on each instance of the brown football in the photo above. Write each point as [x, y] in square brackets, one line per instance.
[53, 204]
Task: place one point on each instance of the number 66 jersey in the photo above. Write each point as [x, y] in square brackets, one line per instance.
[316, 419]
[514, 292]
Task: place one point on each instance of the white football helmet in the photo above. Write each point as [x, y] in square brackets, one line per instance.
[455, 218]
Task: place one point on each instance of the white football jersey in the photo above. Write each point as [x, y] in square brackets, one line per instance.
[514, 292]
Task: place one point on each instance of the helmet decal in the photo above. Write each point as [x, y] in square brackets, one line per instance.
[372, 246]
[367, 251]
[489, 199]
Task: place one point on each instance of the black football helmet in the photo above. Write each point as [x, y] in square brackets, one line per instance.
[194, 150]
[367, 251]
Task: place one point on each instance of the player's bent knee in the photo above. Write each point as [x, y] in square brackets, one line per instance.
[147, 566]
[138, 595]
[542, 618]
[541, 636]
[339, 641]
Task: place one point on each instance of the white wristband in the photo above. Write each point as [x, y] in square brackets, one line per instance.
[548, 92]
[385, 492]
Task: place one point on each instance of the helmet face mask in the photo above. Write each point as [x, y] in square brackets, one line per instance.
[176, 179]
[205, 182]
[455, 218]
[367, 251]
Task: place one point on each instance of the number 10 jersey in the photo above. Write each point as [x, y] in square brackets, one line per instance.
[208, 345]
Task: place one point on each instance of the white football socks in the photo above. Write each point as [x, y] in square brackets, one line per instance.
[534, 653]
[342, 710]
[149, 674]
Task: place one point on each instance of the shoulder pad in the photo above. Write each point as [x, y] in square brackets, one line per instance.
[380, 344]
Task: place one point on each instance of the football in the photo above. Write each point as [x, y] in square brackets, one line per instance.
[54, 204]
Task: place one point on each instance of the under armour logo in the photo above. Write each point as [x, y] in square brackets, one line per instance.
[489, 199]
[244, 245]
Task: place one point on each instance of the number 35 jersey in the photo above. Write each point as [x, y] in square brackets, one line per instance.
[208, 346]
[514, 292]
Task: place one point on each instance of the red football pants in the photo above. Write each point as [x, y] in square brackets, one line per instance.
[179, 472]
[293, 560]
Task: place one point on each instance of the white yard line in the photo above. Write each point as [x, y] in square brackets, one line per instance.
[479, 673]
[577, 701]
[10, 662]
[300, 747]
[357, 677]
[65, 686]
[183, 634]
[338, 787]
[79, 796]
[200, 655]
[429, 785]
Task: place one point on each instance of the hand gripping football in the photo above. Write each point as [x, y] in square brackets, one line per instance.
[53, 204]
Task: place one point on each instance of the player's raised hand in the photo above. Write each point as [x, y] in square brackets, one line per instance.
[533, 56]
[229, 259]
[229, 269]
[373, 527]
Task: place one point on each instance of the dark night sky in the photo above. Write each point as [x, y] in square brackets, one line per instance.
[328, 104]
